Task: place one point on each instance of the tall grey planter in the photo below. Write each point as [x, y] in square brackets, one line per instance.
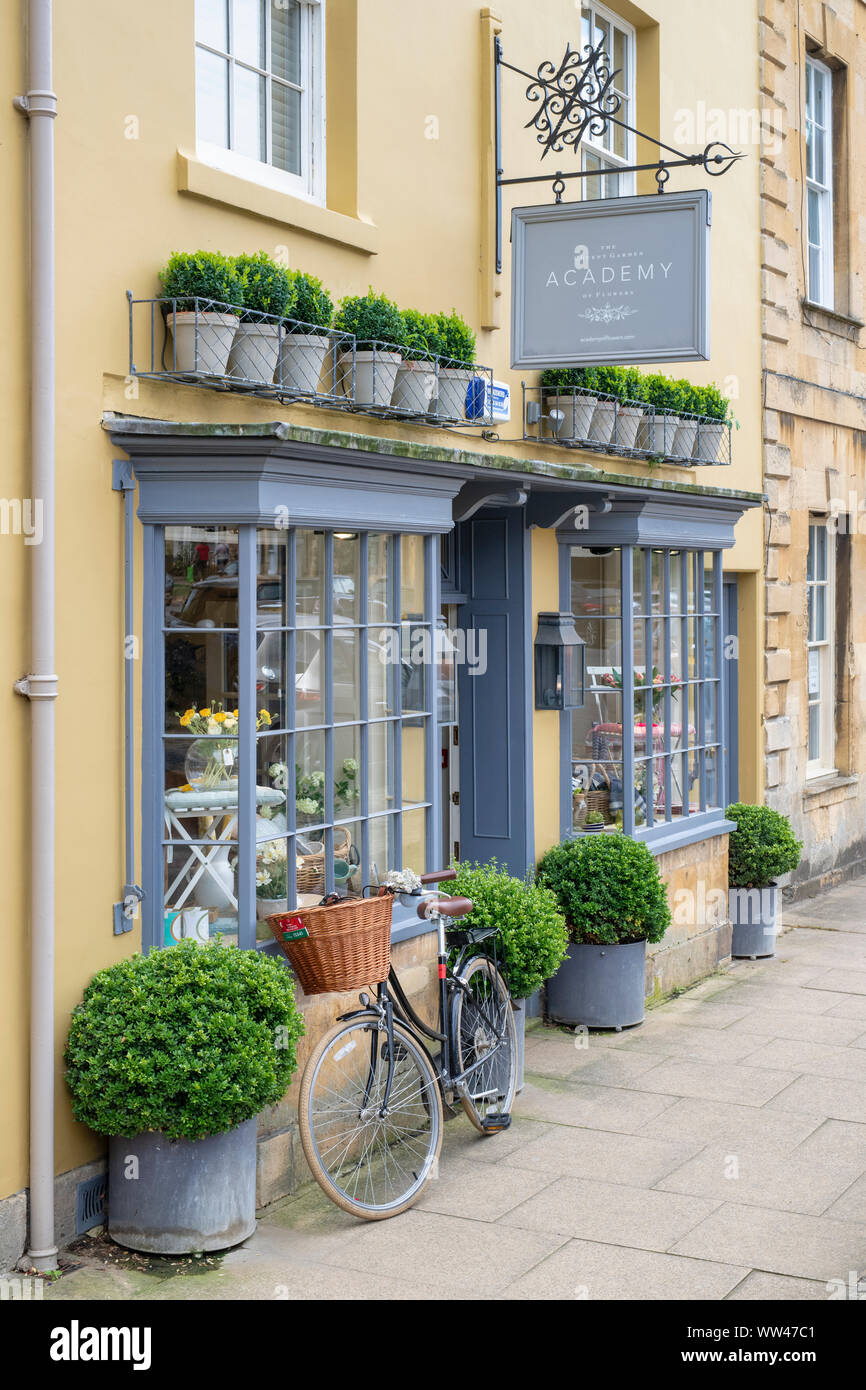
[182, 1195]
[520, 1030]
[754, 918]
[599, 986]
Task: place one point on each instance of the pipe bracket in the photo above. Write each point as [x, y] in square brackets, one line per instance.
[36, 104]
[36, 687]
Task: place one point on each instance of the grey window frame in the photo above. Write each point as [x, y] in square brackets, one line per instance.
[155, 735]
[659, 835]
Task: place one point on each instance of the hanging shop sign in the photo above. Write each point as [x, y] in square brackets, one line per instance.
[613, 280]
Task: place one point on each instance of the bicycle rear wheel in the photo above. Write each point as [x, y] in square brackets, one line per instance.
[371, 1164]
[483, 1033]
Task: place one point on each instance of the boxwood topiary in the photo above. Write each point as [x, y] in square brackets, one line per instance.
[420, 328]
[762, 847]
[191, 1041]
[310, 304]
[533, 936]
[608, 887]
[266, 285]
[375, 321]
[191, 275]
[456, 340]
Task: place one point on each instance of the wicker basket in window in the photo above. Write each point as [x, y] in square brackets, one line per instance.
[311, 867]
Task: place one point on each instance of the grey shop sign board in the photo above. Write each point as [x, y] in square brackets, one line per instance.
[613, 280]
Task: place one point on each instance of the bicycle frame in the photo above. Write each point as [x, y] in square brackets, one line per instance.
[388, 1007]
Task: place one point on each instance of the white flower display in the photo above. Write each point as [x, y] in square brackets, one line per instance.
[403, 881]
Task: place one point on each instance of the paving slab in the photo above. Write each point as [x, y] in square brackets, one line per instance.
[854, 1007]
[851, 1205]
[824, 1096]
[461, 1188]
[843, 981]
[810, 1247]
[610, 1213]
[108, 1284]
[835, 1141]
[687, 1043]
[751, 1177]
[819, 1028]
[632, 1159]
[812, 1058]
[585, 1269]
[746, 1085]
[730, 1124]
[760, 1287]
[593, 1107]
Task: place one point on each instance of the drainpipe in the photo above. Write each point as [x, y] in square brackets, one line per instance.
[39, 104]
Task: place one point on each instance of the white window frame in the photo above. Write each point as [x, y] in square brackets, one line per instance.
[593, 146]
[823, 292]
[823, 662]
[310, 183]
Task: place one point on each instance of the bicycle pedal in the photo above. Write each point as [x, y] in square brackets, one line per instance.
[495, 1121]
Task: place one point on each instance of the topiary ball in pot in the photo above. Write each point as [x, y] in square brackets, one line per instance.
[266, 294]
[532, 939]
[173, 1055]
[761, 848]
[614, 901]
[379, 330]
[204, 294]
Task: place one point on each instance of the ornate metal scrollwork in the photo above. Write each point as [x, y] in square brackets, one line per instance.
[576, 98]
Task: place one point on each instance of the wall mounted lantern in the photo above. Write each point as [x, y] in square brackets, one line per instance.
[559, 663]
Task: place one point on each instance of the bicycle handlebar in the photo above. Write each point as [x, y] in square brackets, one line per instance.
[445, 907]
[438, 875]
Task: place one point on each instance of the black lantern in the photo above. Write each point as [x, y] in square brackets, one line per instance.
[559, 663]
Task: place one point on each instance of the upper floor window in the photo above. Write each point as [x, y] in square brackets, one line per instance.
[819, 181]
[820, 638]
[260, 90]
[616, 146]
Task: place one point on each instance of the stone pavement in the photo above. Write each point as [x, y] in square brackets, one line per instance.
[716, 1152]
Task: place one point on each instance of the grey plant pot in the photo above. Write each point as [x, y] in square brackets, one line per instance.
[520, 1030]
[754, 916]
[599, 986]
[182, 1195]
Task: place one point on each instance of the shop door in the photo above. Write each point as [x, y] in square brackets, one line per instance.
[494, 724]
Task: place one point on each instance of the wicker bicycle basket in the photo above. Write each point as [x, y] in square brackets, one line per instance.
[348, 943]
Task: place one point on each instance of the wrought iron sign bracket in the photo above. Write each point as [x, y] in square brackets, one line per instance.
[574, 99]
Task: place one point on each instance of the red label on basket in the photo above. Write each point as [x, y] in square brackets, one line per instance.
[292, 929]
[296, 935]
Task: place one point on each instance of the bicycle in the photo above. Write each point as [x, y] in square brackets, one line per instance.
[371, 1101]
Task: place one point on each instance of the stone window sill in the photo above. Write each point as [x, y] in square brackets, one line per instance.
[819, 791]
[830, 320]
[205, 181]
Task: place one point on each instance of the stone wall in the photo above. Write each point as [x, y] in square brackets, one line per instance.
[814, 432]
[699, 937]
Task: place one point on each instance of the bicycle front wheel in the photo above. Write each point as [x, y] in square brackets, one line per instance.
[484, 1038]
[372, 1159]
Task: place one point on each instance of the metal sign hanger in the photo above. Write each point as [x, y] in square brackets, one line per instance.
[576, 98]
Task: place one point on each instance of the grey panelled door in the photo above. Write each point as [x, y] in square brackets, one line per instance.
[495, 807]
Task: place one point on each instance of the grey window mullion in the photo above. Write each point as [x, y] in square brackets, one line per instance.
[328, 582]
[246, 891]
[432, 781]
[666, 619]
[721, 712]
[153, 744]
[291, 617]
[699, 667]
[649, 719]
[628, 763]
[397, 697]
[684, 641]
[364, 676]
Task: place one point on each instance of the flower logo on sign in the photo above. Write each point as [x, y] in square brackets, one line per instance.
[607, 313]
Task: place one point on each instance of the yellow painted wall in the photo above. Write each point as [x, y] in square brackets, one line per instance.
[406, 214]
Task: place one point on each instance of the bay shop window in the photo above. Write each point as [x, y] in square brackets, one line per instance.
[646, 750]
[293, 721]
